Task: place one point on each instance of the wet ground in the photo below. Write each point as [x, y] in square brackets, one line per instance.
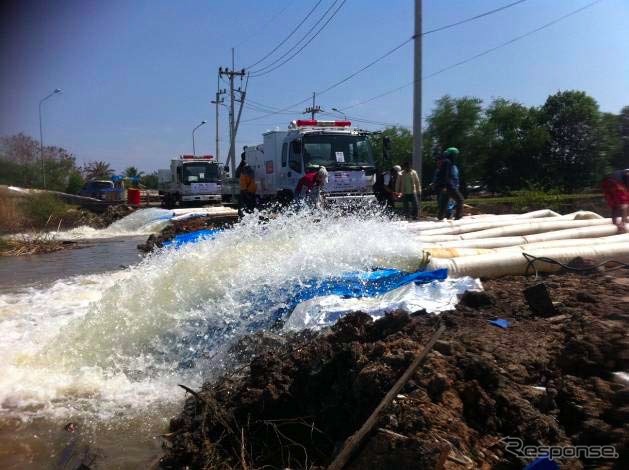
[545, 379]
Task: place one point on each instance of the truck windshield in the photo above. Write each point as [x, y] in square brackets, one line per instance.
[200, 173]
[337, 150]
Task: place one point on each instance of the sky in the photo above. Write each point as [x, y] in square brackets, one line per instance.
[138, 75]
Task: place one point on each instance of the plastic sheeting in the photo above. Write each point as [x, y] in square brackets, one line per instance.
[435, 297]
[191, 237]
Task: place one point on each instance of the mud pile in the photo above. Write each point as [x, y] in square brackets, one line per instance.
[186, 226]
[543, 380]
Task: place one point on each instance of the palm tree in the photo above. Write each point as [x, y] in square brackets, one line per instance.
[132, 172]
[98, 170]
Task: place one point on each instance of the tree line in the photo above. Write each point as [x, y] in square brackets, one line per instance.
[567, 144]
[21, 165]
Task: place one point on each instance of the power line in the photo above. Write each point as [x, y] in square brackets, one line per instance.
[265, 24]
[289, 35]
[467, 20]
[399, 46]
[476, 56]
[278, 111]
[266, 70]
[391, 51]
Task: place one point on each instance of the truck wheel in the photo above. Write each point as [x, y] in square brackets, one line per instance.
[169, 203]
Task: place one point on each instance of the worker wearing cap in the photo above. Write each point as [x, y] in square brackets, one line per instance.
[408, 187]
[616, 191]
[310, 185]
[446, 184]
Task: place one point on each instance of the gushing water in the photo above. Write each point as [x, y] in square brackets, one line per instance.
[96, 345]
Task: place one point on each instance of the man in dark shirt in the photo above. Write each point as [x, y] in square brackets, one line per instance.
[446, 186]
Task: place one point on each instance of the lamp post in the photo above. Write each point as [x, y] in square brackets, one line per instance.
[194, 151]
[41, 136]
[340, 112]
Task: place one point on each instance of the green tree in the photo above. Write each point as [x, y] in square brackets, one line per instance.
[623, 161]
[98, 170]
[132, 172]
[574, 156]
[512, 143]
[401, 145]
[454, 122]
[75, 182]
[21, 163]
[149, 181]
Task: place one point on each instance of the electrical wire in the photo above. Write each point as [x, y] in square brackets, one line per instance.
[531, 260]
[265, 24]
[435, 30]
[266, 70]
[473, 18]
[399, 46]
[476, 56]
[289, 35]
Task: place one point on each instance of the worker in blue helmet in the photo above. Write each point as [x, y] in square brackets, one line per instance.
[446, 183]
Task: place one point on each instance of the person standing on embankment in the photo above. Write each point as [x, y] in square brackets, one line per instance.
[616, 191]
[247, 189]
[446, 184]
[409, 186]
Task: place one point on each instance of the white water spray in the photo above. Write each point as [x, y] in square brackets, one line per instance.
[98, 344]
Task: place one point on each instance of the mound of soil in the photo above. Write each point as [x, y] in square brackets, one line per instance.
[545, 380]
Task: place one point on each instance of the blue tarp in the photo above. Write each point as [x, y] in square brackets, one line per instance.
[191, 237]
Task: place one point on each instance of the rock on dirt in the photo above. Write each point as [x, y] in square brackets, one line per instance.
[299, 397]
[185, 226]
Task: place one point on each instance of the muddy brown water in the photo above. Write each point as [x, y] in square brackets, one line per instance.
[38, 443]
[91, 257]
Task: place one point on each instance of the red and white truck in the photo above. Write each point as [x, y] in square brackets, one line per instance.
[285, 156]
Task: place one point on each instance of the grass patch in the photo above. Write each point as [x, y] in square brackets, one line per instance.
[43, 209]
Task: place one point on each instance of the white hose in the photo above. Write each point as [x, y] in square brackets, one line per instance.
[493, 223]
[514, 263]
[567, 234]
[419, 226]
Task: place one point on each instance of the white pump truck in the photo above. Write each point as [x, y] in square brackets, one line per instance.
[285, 156]
[190, 179]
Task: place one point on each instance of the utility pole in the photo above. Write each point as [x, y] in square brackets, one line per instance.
[417, 96]
[313, 110]
[233, 126]
[41, 136]
[218, 101]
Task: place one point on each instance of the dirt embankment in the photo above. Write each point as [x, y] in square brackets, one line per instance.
[186, 226]
[543, 380]
[36, 215]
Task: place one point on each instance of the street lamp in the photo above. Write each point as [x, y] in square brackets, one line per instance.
[340, 112]
[41, 137]
[194, 152]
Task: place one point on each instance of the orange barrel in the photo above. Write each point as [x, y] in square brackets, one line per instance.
[133, 196]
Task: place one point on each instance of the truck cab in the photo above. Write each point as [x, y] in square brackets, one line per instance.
[190, 179]
[286, 156]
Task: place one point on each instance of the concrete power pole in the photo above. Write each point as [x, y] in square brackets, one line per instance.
[417, 95]
[218, 101]
[232, 122]
[313, 110]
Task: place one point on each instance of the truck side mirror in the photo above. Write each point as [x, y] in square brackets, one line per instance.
[296, 144]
